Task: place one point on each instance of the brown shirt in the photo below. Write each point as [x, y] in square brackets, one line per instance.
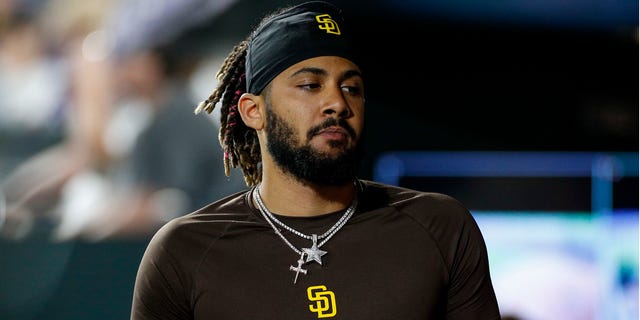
[404, 254]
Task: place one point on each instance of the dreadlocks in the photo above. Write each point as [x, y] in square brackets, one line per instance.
[239, 142]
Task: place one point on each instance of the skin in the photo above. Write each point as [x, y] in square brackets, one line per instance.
[304, 95]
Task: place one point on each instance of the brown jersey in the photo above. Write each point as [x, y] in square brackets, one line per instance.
[404, 254]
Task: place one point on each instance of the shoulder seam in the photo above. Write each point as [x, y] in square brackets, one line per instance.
[430, 235]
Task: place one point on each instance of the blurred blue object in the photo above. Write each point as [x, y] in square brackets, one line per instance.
[557, 263]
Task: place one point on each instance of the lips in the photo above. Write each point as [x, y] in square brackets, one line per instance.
[334, 132]
[332, 129]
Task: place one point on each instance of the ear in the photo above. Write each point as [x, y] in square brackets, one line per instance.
[250, 107]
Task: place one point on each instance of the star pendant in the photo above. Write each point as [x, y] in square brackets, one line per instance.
[314, 253]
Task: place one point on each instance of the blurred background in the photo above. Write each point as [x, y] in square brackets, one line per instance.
[527, 111]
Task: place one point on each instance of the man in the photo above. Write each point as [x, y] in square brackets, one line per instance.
[309, 240]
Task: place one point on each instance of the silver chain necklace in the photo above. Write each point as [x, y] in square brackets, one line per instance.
[313, 253]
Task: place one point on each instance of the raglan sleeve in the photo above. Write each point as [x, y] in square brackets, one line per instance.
[161, 284]
[471, 294]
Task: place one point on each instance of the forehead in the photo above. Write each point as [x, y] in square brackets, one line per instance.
[330, 65]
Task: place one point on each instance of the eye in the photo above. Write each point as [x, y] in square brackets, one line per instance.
[352, 90]
[309, 86]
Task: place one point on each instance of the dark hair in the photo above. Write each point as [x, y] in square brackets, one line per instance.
[239, 142]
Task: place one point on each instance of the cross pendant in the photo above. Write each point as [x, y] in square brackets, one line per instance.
[298, 269]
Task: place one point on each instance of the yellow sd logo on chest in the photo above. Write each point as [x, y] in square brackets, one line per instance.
[324, 301]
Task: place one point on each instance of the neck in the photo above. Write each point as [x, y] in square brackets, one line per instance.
[287, 196]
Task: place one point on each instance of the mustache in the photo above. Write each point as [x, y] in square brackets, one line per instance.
[331, 122]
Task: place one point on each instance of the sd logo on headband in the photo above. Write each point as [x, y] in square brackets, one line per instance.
[314, 28]
[327, 24]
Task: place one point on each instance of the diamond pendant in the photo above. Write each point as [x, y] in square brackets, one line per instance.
[314, 253]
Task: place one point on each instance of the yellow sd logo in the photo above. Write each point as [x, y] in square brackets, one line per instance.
[327, 24]
[325, 301]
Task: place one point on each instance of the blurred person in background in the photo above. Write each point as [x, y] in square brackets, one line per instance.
[123, 167]
[33, 87]
[33, 188]
[156, 175]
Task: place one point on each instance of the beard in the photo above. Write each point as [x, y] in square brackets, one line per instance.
[306, 164]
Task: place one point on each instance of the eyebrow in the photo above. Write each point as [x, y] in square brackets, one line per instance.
[322, 72]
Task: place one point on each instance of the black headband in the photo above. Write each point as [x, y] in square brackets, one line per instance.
[307, 30]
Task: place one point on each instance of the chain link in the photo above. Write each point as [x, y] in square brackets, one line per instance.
[326, 236]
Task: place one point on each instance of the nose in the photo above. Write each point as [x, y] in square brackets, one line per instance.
[336, 104]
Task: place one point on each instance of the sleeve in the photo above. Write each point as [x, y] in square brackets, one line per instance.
[160, 290]
[471, 294]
